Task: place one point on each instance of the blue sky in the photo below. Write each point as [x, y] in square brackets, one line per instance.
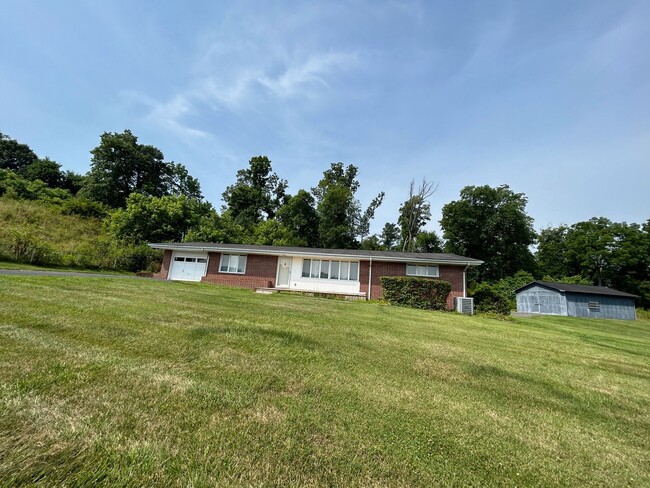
[549, 97]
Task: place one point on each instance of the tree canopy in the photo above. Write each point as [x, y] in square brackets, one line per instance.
[256, 195]
[15, 155]
[121, 166]
[490, 224]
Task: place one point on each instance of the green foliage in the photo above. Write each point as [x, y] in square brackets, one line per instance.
[273, 233]
[14, 155]
[600, 251]
[257, 193]
[15, 186]
[84, 207]
[576, 279]
[217, 228]
[415, 292]
[156, 219]
[340, 217]
[121, 166]
[489, 299]
[506, 286]
[36, 232]
[46, 170]
[371, 243]
[428, 241]
[299, 215]
[414, 213]
[338, 209]
[363, 228]
[390, 235]
[490, 224]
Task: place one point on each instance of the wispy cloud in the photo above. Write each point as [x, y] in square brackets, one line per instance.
[239, 90]
[300, 77]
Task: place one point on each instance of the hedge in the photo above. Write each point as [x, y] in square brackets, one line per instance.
[416, 292]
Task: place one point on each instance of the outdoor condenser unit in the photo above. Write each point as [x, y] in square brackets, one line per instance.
[465, 305]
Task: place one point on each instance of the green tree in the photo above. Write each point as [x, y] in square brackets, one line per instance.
[156, 219]
[415, 212]
[273, 233]
[551, 254]
[364, 222]
[340, 217]
[428, 241]
[121, 166]
[600, 252]
[256, 195]
[216, 228]
[490, 224]
[46, 170]
[299, 215]
[14, 155]
[338, 209]
[390, 235]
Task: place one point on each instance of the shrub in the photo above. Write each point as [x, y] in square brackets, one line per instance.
[489, 299]
[416, 292]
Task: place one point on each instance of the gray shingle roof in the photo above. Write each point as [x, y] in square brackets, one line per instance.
[571, 288]
[308, 251]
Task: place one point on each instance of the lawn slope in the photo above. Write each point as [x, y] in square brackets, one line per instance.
[136, 382]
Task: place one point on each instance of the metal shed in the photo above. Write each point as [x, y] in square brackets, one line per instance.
[549, 298]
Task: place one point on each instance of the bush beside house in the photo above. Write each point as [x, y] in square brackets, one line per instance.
[414, 292]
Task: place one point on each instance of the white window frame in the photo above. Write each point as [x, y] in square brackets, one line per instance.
[422, 270]
[317, 268]
[230, 256]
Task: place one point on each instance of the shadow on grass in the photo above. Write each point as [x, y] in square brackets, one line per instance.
[512, 387]
[283, 336]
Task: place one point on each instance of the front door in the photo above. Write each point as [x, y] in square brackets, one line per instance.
[284, 272]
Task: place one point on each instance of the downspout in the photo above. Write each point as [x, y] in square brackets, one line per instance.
[465, 281]
[369, 277]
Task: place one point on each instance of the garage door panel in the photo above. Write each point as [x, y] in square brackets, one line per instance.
[188, 267]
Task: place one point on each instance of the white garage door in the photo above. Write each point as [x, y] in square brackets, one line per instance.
[188, 266]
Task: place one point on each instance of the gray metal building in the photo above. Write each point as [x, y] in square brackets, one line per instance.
[545, 297]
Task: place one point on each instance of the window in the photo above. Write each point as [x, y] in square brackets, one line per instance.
[422, 270]
[179, 258]
[233, 263]
[593, 306]
[330, 270]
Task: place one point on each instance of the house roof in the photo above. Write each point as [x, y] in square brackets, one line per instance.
[572, 288]
[416, 257]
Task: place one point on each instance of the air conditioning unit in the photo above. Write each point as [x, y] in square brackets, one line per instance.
[465, 305]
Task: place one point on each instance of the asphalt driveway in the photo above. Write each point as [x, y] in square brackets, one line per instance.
[25, 272]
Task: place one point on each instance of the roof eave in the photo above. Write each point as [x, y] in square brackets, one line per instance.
[312, 252]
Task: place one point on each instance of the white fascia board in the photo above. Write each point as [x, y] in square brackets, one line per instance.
[309, 253]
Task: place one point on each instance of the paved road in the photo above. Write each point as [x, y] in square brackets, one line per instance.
[25, 272]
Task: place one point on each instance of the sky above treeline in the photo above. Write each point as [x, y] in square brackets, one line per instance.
[549, 97]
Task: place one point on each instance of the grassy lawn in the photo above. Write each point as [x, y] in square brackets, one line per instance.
[129, 382]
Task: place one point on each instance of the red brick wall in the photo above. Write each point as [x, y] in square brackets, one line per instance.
[164, 268]
[260, 272]
[452, 274]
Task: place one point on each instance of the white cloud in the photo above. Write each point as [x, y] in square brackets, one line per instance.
[300, 76]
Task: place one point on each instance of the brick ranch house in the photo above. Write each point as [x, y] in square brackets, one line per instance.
[337, 271]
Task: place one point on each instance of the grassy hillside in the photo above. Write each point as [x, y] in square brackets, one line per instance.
[38, 232]
[136, 382]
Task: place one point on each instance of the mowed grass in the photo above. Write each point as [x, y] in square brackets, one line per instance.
[136, 382]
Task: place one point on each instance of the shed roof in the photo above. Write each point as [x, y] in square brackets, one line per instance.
[441, 258]
[573, 288]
